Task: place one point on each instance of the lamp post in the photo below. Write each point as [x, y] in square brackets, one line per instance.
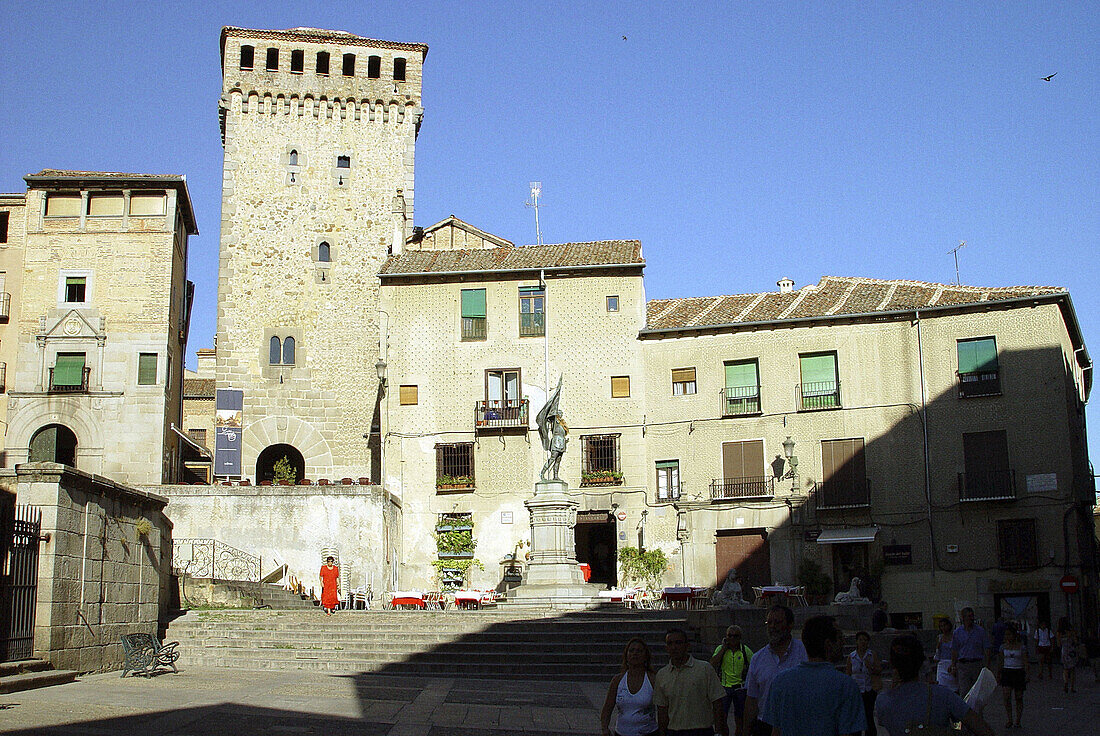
[792, 461]
[380, 367]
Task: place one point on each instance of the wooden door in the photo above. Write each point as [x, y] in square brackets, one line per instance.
[747, 551]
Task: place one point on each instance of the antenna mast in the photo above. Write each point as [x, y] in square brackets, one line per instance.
[536, 190]
[955, 252]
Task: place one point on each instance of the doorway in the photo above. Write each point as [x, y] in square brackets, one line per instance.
[54, 443]
[1025, 610]
[851, 560]
[265, 463]
[745, 550]
[595, 537]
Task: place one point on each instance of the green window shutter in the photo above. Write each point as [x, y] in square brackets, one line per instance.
[76, 281]
[742, 374]
[818, 368]
[662, 464]
[530, 291]
[473, 303]
[68, 370]
[147, 369]
[978, 355]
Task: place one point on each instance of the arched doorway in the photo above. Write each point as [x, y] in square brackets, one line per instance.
[54, 443]
[265, 463]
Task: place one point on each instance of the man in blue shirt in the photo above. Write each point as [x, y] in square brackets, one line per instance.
[814, 699]
[970, 648]
[782, 653]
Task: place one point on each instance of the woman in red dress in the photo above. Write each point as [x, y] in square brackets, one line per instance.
[330, 584]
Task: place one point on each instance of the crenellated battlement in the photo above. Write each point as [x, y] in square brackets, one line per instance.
[321, 107]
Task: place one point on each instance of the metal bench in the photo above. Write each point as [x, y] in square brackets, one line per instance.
[143, 654]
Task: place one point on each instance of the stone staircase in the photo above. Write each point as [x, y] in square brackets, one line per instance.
[245, 594]
[29, 674]
[512, 643]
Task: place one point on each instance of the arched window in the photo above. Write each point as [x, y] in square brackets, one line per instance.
[349, 65]
[275, 351]
[293, 158]
[322, 62]
[288, 351]
[248, 57]
[324, 253]
[54, 443]
[399, 69]
[374, 67]
[272, 60]
[297, 61]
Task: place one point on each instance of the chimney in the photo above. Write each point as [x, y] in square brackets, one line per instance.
[786, 286]
[400, 219]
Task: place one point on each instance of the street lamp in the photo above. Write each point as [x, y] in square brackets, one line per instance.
[792, 459]
[380, 368]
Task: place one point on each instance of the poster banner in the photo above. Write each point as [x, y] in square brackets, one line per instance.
[228, 423]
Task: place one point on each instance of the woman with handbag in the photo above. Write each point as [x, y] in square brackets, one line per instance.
[911, 706]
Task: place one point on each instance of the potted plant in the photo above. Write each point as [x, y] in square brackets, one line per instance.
[454, 481]
[601, 478]
[819, 586]
[643, 566]
[455, 544]
[285, 475]
[455, 574]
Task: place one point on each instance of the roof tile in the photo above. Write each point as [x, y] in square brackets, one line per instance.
[598, 253]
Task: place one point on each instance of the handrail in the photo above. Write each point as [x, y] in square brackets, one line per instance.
[217, 560]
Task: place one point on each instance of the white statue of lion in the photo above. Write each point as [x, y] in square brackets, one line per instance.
[852, 595]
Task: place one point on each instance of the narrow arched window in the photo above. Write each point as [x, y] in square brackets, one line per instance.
[297, 61]
[399, 69]
[248, 56]
[273, 60]
[349, 65]
[288, 351]
[374, 67]
[275, 351]
[343, 162]
[324, 253]
[322, 62]
[293, 158]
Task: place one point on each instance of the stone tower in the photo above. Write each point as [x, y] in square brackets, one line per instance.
[319, 131]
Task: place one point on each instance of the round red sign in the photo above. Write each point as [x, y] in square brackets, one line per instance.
[621, 516]
[1069, 583]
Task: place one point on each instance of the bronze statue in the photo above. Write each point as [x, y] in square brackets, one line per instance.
[554, 433]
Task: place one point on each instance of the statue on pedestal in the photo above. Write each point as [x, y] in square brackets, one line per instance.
[554, 433]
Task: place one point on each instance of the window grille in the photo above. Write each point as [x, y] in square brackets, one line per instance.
[1016, 544]
[454, 465]
[198, 435]
[600, 453]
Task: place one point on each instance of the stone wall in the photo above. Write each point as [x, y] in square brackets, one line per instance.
[103, 572]
[11, 287]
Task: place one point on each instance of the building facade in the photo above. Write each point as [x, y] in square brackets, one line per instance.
[12, 235]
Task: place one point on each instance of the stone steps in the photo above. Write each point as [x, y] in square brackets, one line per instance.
[30, 674]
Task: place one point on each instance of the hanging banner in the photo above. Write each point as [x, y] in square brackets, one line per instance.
[228, 425]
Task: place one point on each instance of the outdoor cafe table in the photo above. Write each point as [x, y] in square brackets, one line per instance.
[679, 595]
[777, 592]
[617, 595]
[473, 598]
[408, 598]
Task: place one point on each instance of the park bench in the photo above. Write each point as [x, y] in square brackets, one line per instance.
[143, 654]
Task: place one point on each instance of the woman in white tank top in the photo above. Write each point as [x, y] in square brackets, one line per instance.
[631, 694]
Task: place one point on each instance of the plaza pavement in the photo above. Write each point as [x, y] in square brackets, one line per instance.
[233, 702]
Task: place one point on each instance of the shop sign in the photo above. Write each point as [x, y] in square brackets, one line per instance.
[1018, 585]
[811, 535]
[897, 554]
[592, 517]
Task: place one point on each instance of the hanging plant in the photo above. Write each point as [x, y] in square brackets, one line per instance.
[143, 527]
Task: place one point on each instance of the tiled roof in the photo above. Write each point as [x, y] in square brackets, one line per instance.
[198, 388]
[833, 296]
[565, 255]
[320, 35]
[64, 173]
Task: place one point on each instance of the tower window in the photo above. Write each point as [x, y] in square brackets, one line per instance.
[75, 289]
[374, 67]
[322, 62]
[273, 60]
[4, 227]
[399, 69]
[349, 65]
[248, 57]
[297, 61]
[280, 352]
[343, 162]
[288, 351]
[324, 253]
[293, 158]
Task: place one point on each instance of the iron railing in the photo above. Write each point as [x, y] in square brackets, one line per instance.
[987, 485]
[209, 558]
[739, 400]
[843, 494]
[76, 388]
[500, 413]
[725, 489]
[979, 383]
[19, 587]
[532, 324]
[473, 328]
[818, 395]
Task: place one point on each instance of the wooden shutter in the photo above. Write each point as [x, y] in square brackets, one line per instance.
[147, 369]
[977, 355]
[620, 387]
[743, 459]
[679, 375]
[473, 302]
[409, 395]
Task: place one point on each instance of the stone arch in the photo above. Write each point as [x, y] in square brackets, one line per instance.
[27, 419]
[53, 443]
[265, 462]
[288, 431]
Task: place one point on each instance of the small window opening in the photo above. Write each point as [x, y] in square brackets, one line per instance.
[288, 351]
[272, 60]
[343, 162]
[374, 67]
[293, 158]
[349, 65]
[4, 227]
[399, 69]
[275, 351]
[248, 58]
[322, 62]
[297, 61]
[324, 253]
[75, 289]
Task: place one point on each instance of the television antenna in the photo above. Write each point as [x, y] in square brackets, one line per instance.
[536, 191]
[955, 252]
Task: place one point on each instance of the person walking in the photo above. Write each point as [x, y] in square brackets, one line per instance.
[942, 658]
[783, 652]
[631, 692]
[1067, 644]
[1012, 673]
[688, 694]
[911, 706]
[814, 699]
[731, 660]
[330, 585]
[970, 650]
[1044, 644]
[863, 667]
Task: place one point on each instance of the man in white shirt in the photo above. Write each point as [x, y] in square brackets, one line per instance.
[783, 652]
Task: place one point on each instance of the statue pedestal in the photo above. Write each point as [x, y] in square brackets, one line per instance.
[553, 574]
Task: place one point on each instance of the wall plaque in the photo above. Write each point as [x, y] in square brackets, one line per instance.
[897, 554]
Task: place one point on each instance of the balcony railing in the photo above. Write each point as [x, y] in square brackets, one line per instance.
[843, 494]
[501, 414]
[726, 489]
[5, 306]
[473, 328]
[75, 388]
[818, 395]
[987, 485]
[739, 400]
[532, 324]
[979, 383]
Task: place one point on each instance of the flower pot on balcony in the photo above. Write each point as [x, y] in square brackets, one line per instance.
[455, 555]
[346, 481]
[364, 481]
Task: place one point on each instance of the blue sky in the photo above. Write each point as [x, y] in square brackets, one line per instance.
[739, 141]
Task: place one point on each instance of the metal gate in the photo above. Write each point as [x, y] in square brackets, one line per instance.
[19, 582]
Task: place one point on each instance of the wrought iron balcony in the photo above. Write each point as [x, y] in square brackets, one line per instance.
[843, 494]
[501, 414]
[988, 485]
[532, 324]
[473, 328]
[979, 383]
[728, 489]
[74, 388]
[818, 395]
[739, 400]
[5, 306]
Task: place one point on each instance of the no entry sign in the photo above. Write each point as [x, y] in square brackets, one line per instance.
[1069, 583]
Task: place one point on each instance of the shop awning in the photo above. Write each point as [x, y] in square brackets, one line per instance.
[848, 535]
[194, 445]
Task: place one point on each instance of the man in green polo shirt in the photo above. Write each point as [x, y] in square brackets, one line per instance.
[731, 659]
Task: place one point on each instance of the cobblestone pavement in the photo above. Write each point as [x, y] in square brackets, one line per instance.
[231, 702]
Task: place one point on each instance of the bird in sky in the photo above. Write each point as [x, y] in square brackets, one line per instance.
[1047, 79]
[624, 38]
